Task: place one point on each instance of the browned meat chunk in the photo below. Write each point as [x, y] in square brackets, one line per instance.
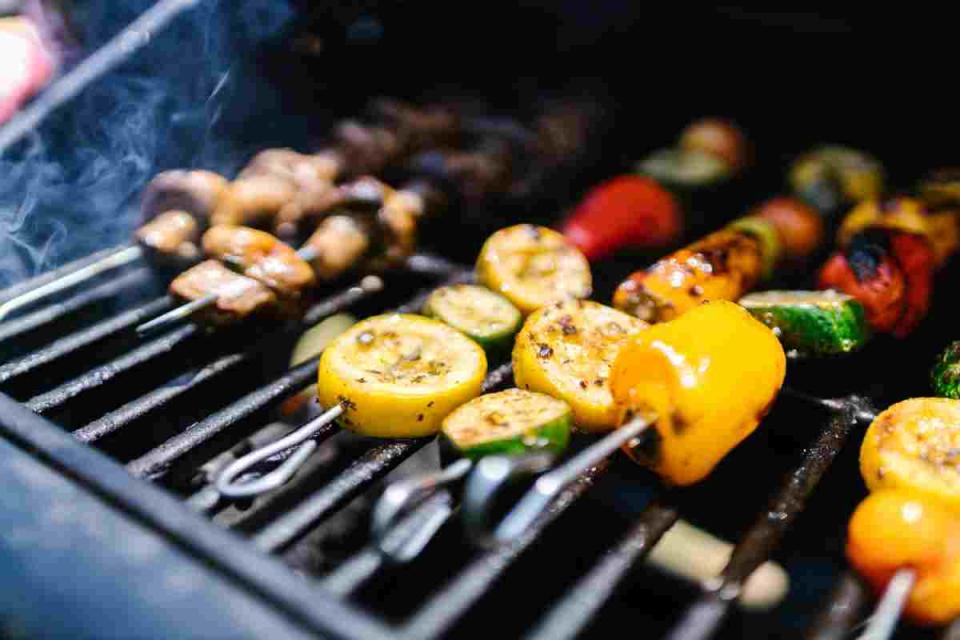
[302, 169]
[174, 233]
[238, 296]
[254, 200]
[340, 242]
[196, 192]
[261, 256]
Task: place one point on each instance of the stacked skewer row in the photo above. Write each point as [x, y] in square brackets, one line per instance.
[659, 373]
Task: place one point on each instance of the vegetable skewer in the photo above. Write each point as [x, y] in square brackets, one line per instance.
[662, 382]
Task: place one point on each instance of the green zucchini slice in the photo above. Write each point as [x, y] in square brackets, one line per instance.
[509, 422]
[811, 323]
[945, 377]
[483, 315]
[684, 169]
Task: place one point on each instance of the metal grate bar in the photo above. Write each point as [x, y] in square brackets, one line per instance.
[158, 398]
[581, 603]
[68, 345]
[371, 466]
[374, 464]
[702, 619]
[49, 314]
[841, 611]
[155, 463]
[56, 398]
[444, 609]
[55, 274]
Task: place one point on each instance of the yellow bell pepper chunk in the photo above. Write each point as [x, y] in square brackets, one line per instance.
[710, 376]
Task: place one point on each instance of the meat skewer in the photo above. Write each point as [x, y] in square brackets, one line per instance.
[277, 182]
[362, 221]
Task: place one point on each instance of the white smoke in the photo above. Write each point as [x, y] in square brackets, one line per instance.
[71, 188]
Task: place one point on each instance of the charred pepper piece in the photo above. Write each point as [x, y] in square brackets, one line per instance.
[722, 266]
[908, 215]
[709, 376]
[897, 529]
[889, 272]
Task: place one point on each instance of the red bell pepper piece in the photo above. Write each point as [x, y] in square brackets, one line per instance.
[627, 211]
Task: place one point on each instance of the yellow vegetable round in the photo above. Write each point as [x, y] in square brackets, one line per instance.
[566, 350]
[398, 375]
[533, 266]
[709, 376]
[915, 445]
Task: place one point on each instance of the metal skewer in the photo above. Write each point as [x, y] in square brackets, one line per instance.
[290, 451]
[113, 261]
[186, 310]
[492, 472]
[117, 50]
[883, 622]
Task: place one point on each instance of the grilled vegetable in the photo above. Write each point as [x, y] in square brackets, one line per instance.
[261, 256]
[399, 376]
[196, 192]
[833, 178]
[767, 235]
[811, 323]
[627, 211]
[945, 377]
[509, 422]
[889, 272]
[915, 445]
[533, 267]
[940, 190]
[907, 215]
[719, 138]
[484, 316]
[238, 296]
[173, 233]
[709, 376]
[566, 350]
[685, 169]
[722, 266]
[799, 226]
[896, 529]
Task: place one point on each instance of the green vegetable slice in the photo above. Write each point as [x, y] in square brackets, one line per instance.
[945, 377]
[684, 168]
[811, 323]
[483, 315]
[509, 422]
[766, 234]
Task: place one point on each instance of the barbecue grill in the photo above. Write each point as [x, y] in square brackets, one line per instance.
[109, 445]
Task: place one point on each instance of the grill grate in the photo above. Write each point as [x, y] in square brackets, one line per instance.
[285, 522]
